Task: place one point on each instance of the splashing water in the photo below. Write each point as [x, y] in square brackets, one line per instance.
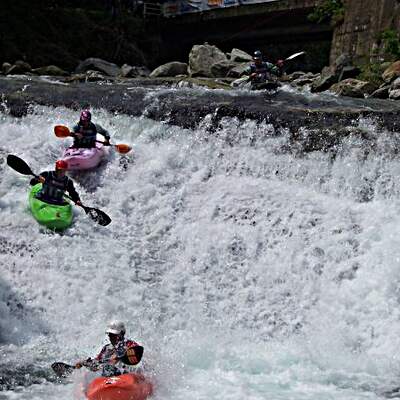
[246, 271]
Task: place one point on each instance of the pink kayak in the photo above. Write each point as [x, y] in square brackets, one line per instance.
[81, 158]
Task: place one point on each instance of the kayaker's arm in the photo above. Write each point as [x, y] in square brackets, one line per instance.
[72, 192]
[39, 179]
[104, 133]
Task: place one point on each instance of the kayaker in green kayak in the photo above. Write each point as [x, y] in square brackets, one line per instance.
[55, 184]
[118, 353]
[85, 132]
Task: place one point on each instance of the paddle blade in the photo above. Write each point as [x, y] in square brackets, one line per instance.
[62, 131]
[295, 55]
[122, 148]
[61, 369]
[98, 216]
[19, 165]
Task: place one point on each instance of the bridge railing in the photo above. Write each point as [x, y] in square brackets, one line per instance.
[171, 8]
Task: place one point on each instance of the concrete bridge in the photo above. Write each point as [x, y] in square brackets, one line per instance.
[278, 28]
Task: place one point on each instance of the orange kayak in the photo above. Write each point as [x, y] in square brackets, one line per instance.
[122, 387]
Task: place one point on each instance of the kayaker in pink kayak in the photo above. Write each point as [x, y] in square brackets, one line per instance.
[85, 132]
[119, 350]
[55, 184]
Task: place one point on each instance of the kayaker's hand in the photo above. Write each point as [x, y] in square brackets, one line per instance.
[79, 365]
[78, 135]
[78, 203]
[107, 141]
[41, 179]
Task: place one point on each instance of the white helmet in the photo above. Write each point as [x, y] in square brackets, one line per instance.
[116, 328]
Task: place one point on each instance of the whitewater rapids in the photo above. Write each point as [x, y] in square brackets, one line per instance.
[246, 270]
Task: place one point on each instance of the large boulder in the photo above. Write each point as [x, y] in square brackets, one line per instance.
[392, 72]
[50, 70]
[238, 70]
[240, 56]
[325, 80]
[202, 57]
[173, 68]
[221, 69]
[353, 88]
[19, 68]
[97, 64]
[381, 93]
[129, 71]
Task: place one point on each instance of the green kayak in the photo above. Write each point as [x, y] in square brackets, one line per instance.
[53, 216]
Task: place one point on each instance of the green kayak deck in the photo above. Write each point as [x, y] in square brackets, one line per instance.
[52, 216]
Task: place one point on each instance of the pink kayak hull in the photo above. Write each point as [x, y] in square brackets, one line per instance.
[81, 159]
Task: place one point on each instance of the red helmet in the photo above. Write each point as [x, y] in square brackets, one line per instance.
[61, 164]
[86, 116]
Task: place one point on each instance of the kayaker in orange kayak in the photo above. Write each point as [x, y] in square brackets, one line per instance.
[119, 353]
[85, 132]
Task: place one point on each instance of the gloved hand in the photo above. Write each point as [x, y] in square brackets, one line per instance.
[78, 203]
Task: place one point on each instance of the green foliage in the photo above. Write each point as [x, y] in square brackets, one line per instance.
[328, 10]
[391, 42]
[371, 73]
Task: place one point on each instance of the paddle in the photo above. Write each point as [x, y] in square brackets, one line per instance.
[62, 369]
[62, 131]
[19, 165]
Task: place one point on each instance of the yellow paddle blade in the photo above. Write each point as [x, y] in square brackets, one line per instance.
[122, 148]
[62, 131]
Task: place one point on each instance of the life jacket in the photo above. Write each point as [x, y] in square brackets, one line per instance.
[89, 136]
[53, 188]
[124, 351]
[263, 71]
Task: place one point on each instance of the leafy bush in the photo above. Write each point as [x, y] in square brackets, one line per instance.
[391, 42]
[329, 10]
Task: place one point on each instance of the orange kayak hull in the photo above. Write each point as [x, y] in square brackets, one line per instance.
[122, 387]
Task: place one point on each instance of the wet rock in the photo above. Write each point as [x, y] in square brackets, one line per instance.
[173, 68]
[5, 67]
[97, 64]
[392, 72]
[202, 57]
[349, 72]
[50, 70]
[305, 79]
[293, 76]
[240, 56]
[238, 70]
[327, 78]
[353, 88]
[128, 71]
[381, 93]
[19, 68]
[341, 62]
[395, 84]
[394, 94]
[222, 68]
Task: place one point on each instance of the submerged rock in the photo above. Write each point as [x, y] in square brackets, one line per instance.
[50, 70]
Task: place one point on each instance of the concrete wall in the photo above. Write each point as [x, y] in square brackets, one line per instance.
[364, 20]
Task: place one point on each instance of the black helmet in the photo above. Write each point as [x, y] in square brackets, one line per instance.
[257, 55]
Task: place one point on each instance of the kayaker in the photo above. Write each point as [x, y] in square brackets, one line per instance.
[119, 351]
[85, 132]
[55, 184]
[261, 71]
